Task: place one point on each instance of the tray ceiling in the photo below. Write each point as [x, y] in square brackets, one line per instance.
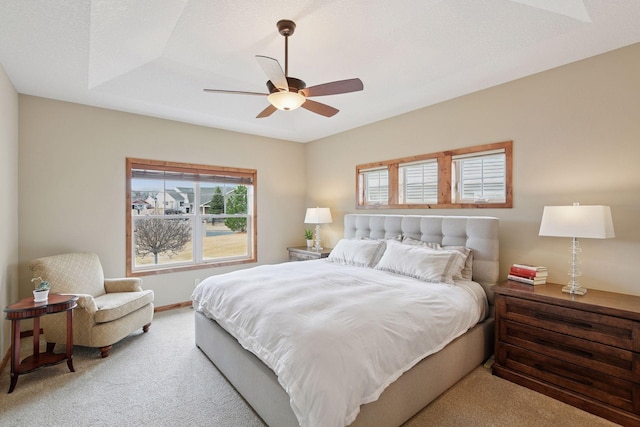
[154, 57]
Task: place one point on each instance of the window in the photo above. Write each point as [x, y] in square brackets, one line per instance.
[375, 185]
[469, 177]
[183, 216]
[418, 182]
[479, 177]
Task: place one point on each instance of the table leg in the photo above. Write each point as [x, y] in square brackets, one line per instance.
[36, 339]
[15, 353]
[70, 340]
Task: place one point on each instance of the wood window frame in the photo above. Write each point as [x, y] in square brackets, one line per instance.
[187, 168]
[444, 159]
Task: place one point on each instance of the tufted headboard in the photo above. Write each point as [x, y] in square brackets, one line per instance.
[475, 232]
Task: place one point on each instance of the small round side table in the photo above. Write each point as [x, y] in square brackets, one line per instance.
[28, 309]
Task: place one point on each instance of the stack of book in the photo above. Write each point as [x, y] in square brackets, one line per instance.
[526, 273]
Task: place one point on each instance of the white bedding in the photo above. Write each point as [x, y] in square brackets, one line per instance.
[336, 336]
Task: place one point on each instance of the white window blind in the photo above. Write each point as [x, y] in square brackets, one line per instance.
[480, 177]
[218, 178]
[469, 177]
[376, 186]
[418, 182]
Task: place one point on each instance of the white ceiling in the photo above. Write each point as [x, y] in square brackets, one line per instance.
[154, 57]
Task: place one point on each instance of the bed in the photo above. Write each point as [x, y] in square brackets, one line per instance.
[420, 381]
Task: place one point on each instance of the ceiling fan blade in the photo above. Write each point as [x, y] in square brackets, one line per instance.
[334, 88]
[237, 92]
[266, 112]
[318, 108]
[273, 70]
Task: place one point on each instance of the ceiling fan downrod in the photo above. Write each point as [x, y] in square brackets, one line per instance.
[286, 27]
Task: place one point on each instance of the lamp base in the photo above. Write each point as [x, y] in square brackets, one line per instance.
[575, 290]
[317, 246]
[573, 287]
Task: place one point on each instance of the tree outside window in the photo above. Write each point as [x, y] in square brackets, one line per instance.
[237, 204]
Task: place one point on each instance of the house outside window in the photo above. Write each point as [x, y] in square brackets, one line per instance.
[185, 216]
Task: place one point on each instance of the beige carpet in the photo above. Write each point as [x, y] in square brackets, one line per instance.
[162, 379]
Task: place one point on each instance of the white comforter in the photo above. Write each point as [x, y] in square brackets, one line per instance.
[337, 335]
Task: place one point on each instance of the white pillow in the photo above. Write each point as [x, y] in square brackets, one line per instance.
[398, 238]
[429, 265]
[359, 253]
[467, 271]
[409, 241]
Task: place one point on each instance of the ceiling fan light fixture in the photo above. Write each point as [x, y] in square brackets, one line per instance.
[286, 100]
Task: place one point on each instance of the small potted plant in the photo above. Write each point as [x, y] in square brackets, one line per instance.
[41, 292]
[308, 235]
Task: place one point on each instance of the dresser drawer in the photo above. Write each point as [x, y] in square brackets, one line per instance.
[298, 256]
[613, 361]
[302, 253]
[586, 382]
[601, 328]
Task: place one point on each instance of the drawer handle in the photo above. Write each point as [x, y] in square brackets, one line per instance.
[567, 377]
[565, 348]
[550, 317]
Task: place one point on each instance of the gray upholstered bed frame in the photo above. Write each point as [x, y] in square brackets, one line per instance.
[417, 387]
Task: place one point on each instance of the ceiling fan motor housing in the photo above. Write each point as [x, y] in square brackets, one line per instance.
[295, 85]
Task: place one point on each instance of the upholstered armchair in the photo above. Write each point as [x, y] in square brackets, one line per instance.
[108, 309]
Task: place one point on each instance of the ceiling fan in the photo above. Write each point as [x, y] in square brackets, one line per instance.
[288, 93]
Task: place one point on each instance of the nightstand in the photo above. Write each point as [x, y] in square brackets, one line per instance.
[302, 253]
[581, 349]
[27, 308]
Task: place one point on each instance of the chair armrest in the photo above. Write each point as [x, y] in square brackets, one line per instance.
[87, 302]
[127, 284]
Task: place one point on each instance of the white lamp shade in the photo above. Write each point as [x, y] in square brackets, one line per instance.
[577, 221]
[286, 100]
[318, 216]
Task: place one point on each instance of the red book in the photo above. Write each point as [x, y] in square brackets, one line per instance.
[527, 272]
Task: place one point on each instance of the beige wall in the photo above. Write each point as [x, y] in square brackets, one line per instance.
[9, 211]
[72, 184]
[576, 133]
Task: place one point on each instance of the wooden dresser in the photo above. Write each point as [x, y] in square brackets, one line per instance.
[582, 350]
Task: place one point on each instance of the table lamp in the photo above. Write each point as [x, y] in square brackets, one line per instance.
[592, 222]
[318, 216]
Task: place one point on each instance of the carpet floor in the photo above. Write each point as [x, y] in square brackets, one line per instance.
[162, 379]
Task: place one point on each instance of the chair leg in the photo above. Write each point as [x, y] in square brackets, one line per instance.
[145, 328]
[104, 351]
[50, 347]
